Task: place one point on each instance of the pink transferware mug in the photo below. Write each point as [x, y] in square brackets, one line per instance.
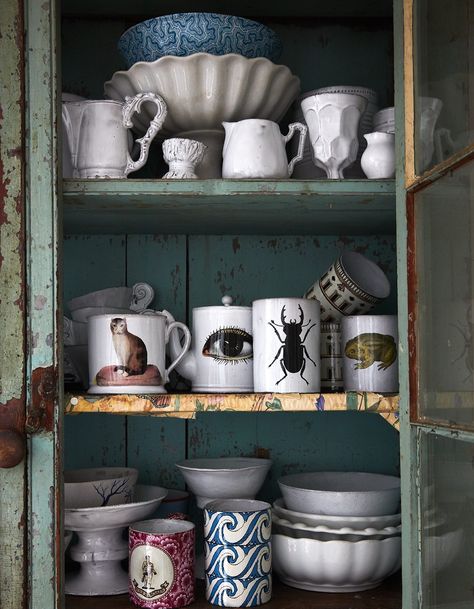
[162, 562]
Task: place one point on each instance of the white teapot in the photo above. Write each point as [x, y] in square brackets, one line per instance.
[221, 335]
[255, 148]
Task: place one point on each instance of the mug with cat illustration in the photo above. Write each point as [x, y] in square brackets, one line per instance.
[127, 352]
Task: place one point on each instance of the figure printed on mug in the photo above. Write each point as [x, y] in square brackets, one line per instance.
[369, 348]
[292, 345]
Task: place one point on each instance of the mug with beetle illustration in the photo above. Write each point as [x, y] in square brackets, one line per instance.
[286, 335]
[369, 349]
[127, 352]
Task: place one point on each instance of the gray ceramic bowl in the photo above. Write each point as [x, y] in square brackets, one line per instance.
[341, 493]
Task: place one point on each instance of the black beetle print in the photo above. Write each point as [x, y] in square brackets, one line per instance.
[293, 347]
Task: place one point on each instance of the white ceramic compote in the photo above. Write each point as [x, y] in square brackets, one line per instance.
[100, 545]
[182, 156]
[333, 121]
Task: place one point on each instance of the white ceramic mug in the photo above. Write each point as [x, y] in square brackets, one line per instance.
[353, 284]
[369, 349]
[221, 356]
[127, 352]
[286, 345]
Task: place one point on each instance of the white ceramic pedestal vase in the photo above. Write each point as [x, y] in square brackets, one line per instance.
[369, 348]
[378, 159]
[333, 122]
[286, 345]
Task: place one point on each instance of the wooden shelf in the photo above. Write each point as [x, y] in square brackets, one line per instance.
[323, 207]
[387, 596]
[187, 405]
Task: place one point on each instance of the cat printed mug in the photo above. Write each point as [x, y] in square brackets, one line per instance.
[127, 352]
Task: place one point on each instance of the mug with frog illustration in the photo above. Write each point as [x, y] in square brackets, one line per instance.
[369, 349]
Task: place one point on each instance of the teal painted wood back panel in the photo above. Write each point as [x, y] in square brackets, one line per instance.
[252, 267]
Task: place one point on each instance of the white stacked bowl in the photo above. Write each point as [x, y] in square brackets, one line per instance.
[336, 531]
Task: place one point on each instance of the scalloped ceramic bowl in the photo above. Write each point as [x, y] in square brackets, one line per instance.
[182, 34]
[324, 533]
[99, 487]
[203, 90]
[354, 522]
[224, 478]
[334, 566]
[341, 493]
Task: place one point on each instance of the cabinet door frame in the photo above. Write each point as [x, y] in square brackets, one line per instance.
[13, 559]
[44, 321]
[411, 425]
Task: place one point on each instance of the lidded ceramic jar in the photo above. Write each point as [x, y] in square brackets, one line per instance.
[221, 355]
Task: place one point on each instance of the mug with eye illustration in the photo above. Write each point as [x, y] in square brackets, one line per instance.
[220, 359]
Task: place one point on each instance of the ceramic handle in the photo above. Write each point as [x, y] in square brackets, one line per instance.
[184, 349]
[132, 105]
[299, 155]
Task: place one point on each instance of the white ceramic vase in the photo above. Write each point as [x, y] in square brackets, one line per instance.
[182, 156]
[378, 159]
[333, 122]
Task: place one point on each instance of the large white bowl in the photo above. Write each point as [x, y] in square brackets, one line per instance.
[335, 566]
[354, 522]
[99, 487]
[324, 533]
[202, 90]
[341, 493]
[147, 499]
[224, 478]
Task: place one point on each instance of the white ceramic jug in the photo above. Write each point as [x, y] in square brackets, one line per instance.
[255, 148]
[97, 133]
[378, 159]
[220, 359]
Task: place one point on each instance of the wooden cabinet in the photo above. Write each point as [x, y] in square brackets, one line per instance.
[195, 241]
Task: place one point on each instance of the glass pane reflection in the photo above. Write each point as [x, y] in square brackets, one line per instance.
[447, 523]
[444, 80]
[444, 220]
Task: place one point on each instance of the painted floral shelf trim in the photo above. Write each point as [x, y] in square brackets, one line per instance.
[187, 405]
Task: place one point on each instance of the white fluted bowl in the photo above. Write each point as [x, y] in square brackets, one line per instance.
[203, 90]
[335, 566]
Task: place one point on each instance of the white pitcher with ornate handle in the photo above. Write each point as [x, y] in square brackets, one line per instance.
[99, 137]
[255, 148]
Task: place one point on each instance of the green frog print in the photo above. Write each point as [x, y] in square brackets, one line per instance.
[370, 348]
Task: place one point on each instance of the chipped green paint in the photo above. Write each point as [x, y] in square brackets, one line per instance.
[42, 231]
[12, 301]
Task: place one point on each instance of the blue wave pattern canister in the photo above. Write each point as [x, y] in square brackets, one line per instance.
[237, 552]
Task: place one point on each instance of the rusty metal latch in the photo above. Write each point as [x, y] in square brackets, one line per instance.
[44, 393]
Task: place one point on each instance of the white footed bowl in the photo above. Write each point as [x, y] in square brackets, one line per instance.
[99, 487]
[202, 90]
[354, 522]
[341, 493]
[335, 566]
[224, 478]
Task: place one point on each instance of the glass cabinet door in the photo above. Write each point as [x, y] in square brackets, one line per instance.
[440, 206]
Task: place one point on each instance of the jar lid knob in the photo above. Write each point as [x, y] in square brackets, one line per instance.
[226, 300]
